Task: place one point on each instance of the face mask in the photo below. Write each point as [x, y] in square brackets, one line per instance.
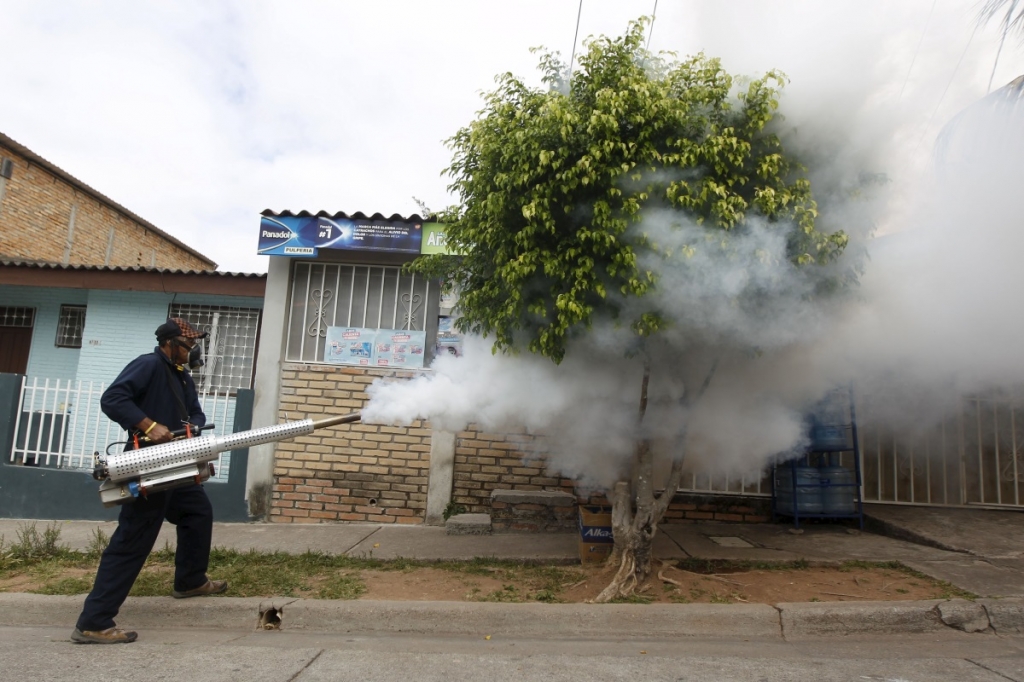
[195, 356]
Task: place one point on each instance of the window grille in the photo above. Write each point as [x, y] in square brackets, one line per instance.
[338, 295]
[70, 326]
[229, 350]
[17, 317]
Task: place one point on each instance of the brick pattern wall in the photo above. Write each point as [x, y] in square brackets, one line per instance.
[492, 461]
[352, 472]
[486, 461]
[532, 518]
[34, 217]
[689, 508]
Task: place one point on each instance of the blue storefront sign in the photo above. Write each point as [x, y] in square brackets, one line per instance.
[304, 236]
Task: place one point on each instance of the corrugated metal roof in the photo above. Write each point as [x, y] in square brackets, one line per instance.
[358, 215]
[99, 196]
[44, 265]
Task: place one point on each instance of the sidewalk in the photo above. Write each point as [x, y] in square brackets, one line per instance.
[755, 542]
[989, 565]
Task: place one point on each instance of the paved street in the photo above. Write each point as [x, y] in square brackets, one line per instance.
[254, 656]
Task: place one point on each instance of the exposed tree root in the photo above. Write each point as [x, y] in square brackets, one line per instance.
[623, 583]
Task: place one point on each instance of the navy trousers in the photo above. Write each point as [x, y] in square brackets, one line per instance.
[137, 528]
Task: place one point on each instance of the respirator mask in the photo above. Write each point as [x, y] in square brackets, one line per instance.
[195, 356]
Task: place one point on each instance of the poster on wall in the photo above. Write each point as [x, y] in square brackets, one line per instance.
[449, 340]
[349, 345]
[399, 348]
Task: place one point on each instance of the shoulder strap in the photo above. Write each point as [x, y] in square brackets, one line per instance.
[177, 387]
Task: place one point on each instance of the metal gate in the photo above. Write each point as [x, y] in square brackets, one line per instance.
[972, 457]
[975, 456]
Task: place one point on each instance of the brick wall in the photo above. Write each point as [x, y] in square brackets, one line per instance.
[35, 212]
[367, 472]
[690, 508]
[485, 462]
[353, 472]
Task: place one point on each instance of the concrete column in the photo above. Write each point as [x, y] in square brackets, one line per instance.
[442, 475]
[267, 384]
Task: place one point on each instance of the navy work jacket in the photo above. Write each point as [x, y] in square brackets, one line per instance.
[143, 389]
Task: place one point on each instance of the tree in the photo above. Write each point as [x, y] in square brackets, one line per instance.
[990, 10]
[553, 186]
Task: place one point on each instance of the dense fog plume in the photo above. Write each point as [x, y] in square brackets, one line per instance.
[939, 313]
[936, 236]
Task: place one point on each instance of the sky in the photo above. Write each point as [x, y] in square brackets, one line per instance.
[197, 115]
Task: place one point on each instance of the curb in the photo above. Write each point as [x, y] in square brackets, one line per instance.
[585, 621]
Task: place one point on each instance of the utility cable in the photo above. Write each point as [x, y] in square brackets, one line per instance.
[654, 14]
[927, 23]
[579, 12]
[949, 83]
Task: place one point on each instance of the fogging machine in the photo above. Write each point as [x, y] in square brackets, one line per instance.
[188, 459]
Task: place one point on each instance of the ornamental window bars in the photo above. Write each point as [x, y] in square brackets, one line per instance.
[70, 326]
[17, 317]
[366, 296]
[230, 349]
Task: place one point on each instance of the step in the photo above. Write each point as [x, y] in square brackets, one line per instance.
[468, 524]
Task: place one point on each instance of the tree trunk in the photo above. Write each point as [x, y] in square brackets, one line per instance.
[634, 530]
[636, 511]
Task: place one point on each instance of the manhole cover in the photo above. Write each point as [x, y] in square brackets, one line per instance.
[729, 541]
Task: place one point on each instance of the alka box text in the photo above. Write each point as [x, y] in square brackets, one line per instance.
[595, 534]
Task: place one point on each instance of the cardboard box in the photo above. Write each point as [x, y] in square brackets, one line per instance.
[596, 539]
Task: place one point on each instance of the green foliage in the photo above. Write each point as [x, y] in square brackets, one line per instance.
[97, 543]
[553, 183]
[453, 509]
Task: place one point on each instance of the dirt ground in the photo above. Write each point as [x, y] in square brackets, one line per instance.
[674, 585]
[574, 584]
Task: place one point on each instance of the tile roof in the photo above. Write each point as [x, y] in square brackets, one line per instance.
[358, 215]
[44, 265]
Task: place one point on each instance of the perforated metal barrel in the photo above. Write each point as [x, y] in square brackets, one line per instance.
[133, 463]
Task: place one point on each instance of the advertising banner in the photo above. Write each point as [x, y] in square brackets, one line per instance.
[304, 236]
[374, 347]
[349, 345]
[399, 348]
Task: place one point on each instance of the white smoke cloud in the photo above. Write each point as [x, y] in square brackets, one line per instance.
[934, 317]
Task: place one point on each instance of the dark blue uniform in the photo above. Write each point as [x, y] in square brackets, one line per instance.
[145, 388]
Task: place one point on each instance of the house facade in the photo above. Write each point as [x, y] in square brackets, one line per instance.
[48, 215]
[84, 283]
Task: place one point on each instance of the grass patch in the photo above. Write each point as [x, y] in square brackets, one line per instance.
[948, 591]
[36, 560]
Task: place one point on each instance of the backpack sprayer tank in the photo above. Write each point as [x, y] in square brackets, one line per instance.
[130, 474]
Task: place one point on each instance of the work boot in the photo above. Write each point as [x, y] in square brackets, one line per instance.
[108, 636]
[211, 587]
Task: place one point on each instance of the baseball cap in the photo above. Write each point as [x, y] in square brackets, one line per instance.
[176, 326]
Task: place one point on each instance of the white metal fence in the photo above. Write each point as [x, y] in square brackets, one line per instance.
[974, 456]
[59, 424]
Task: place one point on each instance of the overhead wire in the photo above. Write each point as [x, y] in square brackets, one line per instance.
[579, 13]
[927, 23]
[948, 84]
[654, 15]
